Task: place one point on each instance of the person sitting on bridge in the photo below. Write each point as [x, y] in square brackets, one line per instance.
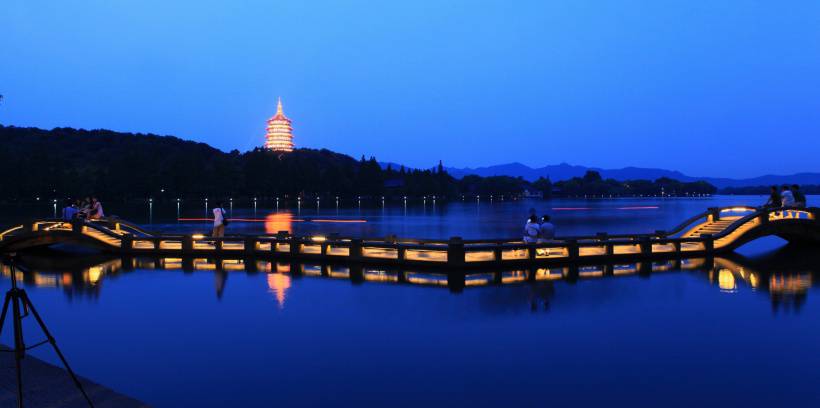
[96, 212]
[219, 221]
[531, 229]
[799, 197]
[775, 200]
[71, 210]
[546, 231]
[787, 198]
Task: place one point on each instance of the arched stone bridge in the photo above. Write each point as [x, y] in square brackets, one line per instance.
[713, 231]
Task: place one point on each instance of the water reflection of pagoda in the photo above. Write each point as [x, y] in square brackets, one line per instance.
[279, 136]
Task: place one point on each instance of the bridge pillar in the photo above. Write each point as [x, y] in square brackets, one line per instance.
[456, 282]
[456, 253]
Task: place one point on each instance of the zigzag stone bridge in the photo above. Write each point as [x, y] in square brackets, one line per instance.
[714, 231]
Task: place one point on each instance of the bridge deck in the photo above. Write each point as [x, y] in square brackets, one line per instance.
[712, 231]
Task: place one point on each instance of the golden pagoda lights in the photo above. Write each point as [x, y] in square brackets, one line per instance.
[279, 136]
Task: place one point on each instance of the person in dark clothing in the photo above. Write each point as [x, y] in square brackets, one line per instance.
[799, 197]
[774, 198]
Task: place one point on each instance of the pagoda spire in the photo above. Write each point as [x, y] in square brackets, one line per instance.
[279, 136]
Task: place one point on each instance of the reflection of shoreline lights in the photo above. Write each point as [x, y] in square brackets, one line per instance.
[641, 207]
[279, 285]
[279, 136]
[276, 222]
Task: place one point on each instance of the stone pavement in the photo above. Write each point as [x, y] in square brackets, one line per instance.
[45, 385]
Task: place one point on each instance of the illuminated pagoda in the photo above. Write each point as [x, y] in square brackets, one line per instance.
[279, 136]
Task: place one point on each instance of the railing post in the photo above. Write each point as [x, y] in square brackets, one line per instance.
[572, 249]
[455, 252]
[187, 244]
[531, 252]
[645, 245]
[497, 253]
[714, 214]
[250, 245]
[77, 226]
[295, 245]
[127, 242]
[764, 217]
[355, 253]
[402, 252]
[609, 249]
[708, 243]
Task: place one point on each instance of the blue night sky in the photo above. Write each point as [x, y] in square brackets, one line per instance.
[597, 83]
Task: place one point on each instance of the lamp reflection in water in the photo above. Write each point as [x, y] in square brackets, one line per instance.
[279, 283]
[278, 221]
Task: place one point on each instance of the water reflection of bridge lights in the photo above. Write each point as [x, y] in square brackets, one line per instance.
[727, 275]
[726, 281]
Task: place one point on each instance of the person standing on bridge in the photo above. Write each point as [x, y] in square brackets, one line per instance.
[219, 221]
[787, 199]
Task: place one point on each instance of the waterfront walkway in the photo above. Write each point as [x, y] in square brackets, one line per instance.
[46, 385]
[713, 231]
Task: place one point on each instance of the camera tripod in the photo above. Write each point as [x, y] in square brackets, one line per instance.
[20, 302]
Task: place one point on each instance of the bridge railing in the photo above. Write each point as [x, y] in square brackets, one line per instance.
[455, 251]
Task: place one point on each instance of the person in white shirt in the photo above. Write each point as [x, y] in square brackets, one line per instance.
[531, 230]
[786, 197]
[219, 221]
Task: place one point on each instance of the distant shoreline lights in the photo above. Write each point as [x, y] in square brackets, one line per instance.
[279, 136]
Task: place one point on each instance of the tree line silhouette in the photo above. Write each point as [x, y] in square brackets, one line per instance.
[66, 162]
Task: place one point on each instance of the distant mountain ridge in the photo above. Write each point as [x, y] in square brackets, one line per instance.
[566, 171]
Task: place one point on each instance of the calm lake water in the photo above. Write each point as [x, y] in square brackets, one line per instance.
[744, 331]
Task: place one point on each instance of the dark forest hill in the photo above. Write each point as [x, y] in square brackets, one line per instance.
[66, 162]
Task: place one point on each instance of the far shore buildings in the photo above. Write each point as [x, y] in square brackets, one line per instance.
[279, 136]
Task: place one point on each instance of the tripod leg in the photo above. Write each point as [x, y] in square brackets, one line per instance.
[53, 342]
[19, 345]
[5, 309]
